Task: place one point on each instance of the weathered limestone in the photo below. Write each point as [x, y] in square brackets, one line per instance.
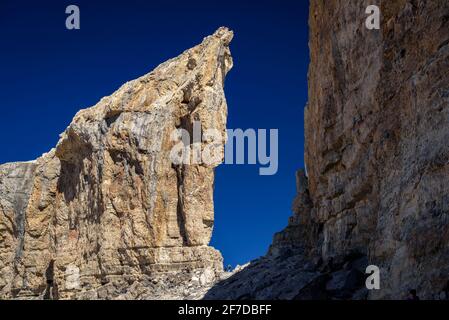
[106, 210]
[377, 132]
[377, 157]
[106, 214]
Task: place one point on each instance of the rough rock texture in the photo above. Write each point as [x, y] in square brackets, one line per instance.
[106, 214]
[267, 278]
[377, 154]
[377, 132]
[293, 267]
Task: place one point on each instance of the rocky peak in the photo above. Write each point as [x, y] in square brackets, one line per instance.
[106, 214]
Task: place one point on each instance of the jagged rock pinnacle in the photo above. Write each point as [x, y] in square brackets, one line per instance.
[106, 214]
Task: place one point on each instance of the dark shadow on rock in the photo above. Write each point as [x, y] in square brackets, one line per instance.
[291, 276]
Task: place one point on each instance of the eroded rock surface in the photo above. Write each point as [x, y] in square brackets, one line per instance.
[106, 214]
[377, 155]
[377, 132]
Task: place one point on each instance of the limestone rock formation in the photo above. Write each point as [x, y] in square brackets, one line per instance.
[377, 132]
[377, 157]
[106, 214]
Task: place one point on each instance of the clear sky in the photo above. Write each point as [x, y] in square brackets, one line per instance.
[48, 73]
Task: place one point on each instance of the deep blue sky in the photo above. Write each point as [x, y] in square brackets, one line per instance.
[48, 73]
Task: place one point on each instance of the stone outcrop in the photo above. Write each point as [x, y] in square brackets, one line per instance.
[106, 214]
[377, 158]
